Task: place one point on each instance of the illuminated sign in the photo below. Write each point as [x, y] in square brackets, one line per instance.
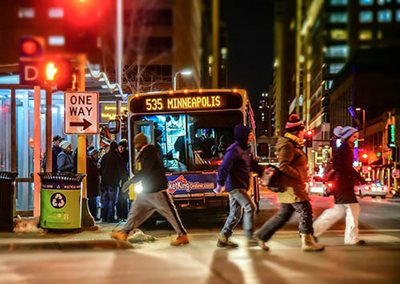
[184, 102]
[108, 111]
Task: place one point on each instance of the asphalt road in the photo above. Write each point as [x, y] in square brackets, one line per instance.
[202, 262]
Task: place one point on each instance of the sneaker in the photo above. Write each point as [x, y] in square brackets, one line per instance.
[119, 236]
[180, 240]
[224, 242]
[360, 243]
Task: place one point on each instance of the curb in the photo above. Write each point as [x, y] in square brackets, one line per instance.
[66, 245]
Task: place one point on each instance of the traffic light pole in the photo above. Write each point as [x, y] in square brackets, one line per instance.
[87, 220]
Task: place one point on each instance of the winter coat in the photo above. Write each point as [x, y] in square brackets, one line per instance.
[111, 169]
[93, 178]
[293, 163]
[149, 171]
[345, 175]
[65, 162]
[238, 163]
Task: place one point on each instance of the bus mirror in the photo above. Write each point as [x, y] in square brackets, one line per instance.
[113, 126]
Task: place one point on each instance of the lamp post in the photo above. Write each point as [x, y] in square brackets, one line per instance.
[183, 73]
[363, 121]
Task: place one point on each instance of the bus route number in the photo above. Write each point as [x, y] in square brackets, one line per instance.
[154, 104]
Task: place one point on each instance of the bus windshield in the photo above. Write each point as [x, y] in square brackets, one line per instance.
[189, 142]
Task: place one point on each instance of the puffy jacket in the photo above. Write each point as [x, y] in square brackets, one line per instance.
[238, 162]
[293, 163]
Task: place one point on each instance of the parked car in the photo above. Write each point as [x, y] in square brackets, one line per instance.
[319, 188]
[373, 188]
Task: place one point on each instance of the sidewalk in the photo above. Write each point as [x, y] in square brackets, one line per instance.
[65, 240]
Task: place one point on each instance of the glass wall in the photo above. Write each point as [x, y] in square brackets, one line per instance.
[5, 130]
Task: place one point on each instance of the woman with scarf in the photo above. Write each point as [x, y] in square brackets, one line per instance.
[294, 198]
[345, 199]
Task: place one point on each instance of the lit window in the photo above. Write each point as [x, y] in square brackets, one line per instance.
[365, 35]
[328, 84]
[28, 13]
[383, 2]
[384, 16]
[56, 40]
[366, 2]
[366, 16]
[338, 18]
[338, 2]
[398, 15]
[337, 51]
[335, 68]
[56, 13]
[379, 34]
[338, 34]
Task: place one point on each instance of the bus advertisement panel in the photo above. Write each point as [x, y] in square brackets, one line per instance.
[192, 130]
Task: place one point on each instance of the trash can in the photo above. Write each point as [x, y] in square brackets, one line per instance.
[60, 200]
[7, 200]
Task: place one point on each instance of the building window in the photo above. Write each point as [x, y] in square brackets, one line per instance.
[56, 40]
[340, 51]
[338, 34]
[56, 13]
[338, 18]
[328, 84]
[26, 13]
[338, 2]
[365, 35]
[366, 2]
[335, 68]
[384, 16]
[383, 2]
[366, 16]
[398, 15]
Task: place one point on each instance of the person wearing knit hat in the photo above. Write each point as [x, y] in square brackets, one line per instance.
[65, 160]
[346, 203]
[344, 132]
[293, 196]
[151, 186]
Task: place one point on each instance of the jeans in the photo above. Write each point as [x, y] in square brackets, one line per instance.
[108, 200]
[303, 209]
[238, 199]
[92, 204]
[122, 204]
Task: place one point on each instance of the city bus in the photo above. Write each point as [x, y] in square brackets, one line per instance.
[192, 130]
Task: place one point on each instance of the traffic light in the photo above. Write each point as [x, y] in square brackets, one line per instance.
[31, 47]
[309, 138]
[59, 71]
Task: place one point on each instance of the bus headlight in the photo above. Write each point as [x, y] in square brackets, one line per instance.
[138, 188]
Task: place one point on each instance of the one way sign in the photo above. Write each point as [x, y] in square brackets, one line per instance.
[81, 113]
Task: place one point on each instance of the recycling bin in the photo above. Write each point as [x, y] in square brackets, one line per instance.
[60, 200]
[7, 200]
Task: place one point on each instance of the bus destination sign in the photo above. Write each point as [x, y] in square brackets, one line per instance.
[185, 102]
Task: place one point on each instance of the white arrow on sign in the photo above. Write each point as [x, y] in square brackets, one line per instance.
[81, 113]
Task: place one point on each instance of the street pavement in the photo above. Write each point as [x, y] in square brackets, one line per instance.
[92, 257]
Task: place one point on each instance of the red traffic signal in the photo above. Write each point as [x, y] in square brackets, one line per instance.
[31, 47]
[309, 138]
[59, 71]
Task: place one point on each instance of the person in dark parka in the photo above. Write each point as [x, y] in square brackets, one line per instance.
[93, 182]
[344, 179]
[234, 174]
[111, 174]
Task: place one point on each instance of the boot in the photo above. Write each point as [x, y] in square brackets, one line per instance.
[308, 243]
[180, 240]
[224, 242]
[119, 236]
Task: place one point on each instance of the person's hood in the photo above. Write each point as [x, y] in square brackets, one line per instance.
[241, 135]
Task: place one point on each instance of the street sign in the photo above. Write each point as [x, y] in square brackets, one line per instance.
[30, 73]
[81, 113]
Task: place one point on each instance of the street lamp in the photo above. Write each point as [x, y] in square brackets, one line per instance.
[363, 121]
[183, 73]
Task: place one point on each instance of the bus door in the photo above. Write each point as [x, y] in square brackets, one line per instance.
[147, 128]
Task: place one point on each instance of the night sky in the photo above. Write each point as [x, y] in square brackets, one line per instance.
[250, 44]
